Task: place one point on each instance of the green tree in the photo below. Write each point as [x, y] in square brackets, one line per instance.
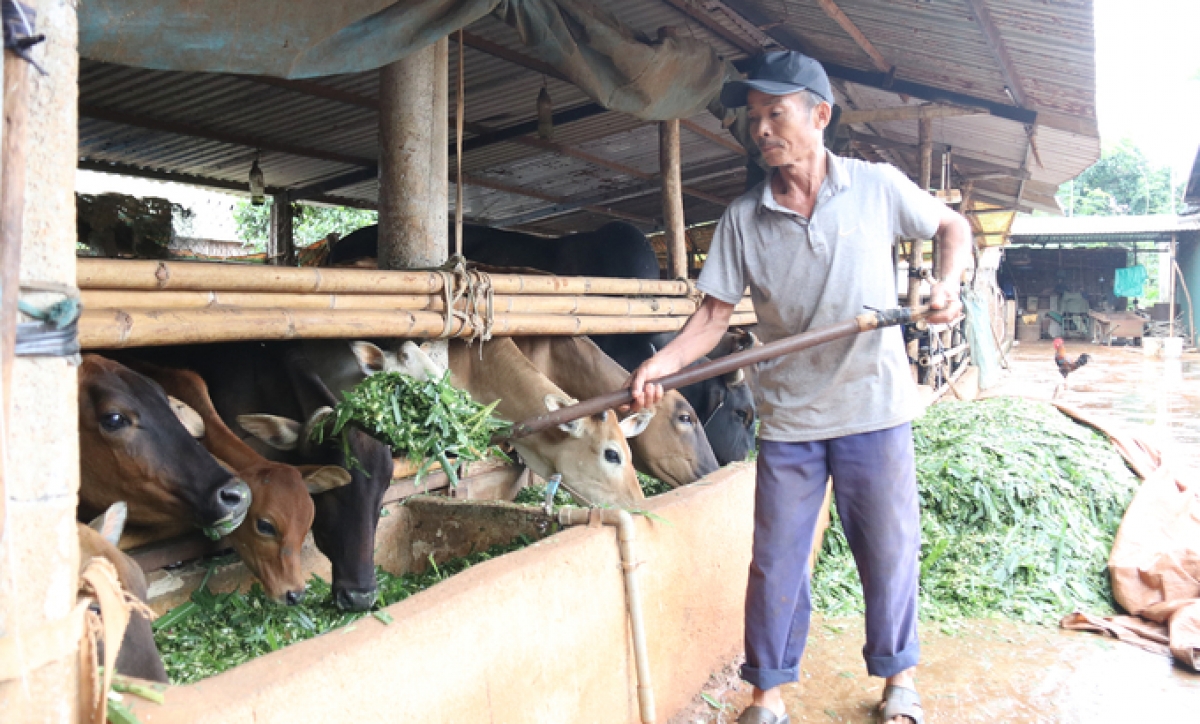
[1121, 183]
[310, 224]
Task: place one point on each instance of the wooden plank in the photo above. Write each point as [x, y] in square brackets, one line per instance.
[991, 34]
[281, 246]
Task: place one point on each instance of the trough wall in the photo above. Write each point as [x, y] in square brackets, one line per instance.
[539, 635]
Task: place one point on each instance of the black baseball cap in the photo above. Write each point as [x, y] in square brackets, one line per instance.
[779, 73]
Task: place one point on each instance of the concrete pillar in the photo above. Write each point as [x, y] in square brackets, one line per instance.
[672, 198]
[281, 244]
[39, 553]
[413, 160]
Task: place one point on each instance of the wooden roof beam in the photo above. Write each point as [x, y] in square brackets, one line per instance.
[905, 113]
[960, 158]
[991, 34]
[711, 24]
[835, 13]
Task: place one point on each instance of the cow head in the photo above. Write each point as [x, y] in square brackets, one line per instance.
[674, 448]
[132, 447]
[138, 655]
[281, 514]
[409, 359]
[591, 454]
[726, 408]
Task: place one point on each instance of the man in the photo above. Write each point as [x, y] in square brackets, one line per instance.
[814, 244]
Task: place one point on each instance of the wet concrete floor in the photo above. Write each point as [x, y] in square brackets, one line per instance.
[979, 671]
[997, 671]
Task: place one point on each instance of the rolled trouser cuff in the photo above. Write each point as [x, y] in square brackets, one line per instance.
[765, 679]
[885, 666]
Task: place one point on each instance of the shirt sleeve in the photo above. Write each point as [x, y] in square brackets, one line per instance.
[915, 213]
[724, 272]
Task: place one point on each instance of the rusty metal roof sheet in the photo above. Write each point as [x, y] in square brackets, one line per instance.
[208, 128]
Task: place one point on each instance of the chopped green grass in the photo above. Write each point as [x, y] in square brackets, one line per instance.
[1019, 508]
[222, 630]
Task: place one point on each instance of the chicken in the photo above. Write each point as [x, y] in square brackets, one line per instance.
[1066, 366]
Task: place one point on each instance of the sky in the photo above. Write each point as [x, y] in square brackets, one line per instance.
[1148, 77]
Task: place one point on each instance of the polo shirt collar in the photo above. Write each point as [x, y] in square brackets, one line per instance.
[836, 181]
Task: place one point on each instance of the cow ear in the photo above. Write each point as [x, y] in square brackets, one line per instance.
[574, 428]
[370, 358]
[191, 420]
[319, 478]
[112, 524]
[280, 433]
[636, 423]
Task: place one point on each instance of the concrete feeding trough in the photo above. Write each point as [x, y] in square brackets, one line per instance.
[538, 635]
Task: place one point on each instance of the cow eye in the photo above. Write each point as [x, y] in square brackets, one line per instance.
[265, 527]
[612, 456]
[113, 421]
[742, 414]
[686, 419]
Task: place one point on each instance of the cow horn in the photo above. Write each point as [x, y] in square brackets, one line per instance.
[737, 378]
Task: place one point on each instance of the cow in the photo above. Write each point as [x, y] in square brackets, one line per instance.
[617, 249]
[591, 454]
[133, 448]
[725, 403]
[275, 381]
[139, 655]
[673, 447]
[281, 509]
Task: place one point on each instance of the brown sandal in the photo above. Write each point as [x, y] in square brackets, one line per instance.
[901, 701]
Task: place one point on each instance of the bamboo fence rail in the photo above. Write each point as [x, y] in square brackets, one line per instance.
[199, 276]
[147, 303]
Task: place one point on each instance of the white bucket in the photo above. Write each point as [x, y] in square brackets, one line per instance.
[1172, 347]
[1152, 346]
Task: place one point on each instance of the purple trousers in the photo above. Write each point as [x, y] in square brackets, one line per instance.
[875, 488]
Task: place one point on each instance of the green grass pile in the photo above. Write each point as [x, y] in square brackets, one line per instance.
[214, 632]
[1019, 507]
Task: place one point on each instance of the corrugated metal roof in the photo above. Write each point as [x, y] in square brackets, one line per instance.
[211, 126]
[1155, 224]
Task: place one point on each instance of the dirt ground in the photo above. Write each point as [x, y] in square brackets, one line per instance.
[998, 671]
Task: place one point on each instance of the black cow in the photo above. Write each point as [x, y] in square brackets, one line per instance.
[279, 381]
[617, 249]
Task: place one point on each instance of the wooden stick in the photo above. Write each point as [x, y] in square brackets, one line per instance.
[503, 304]
[203, 276]
[862, 323]
[111, 328]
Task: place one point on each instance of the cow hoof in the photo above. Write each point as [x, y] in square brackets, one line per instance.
[347, 600]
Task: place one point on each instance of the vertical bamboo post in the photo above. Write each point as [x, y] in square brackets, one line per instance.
[1171, 289]
[916, 256]
[281, 245]
[413, 160]
[672, 198]
[39, 551]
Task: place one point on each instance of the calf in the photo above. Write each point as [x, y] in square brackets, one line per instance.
[673, 448]
[138, 655]
[281, 509]
[133, 448]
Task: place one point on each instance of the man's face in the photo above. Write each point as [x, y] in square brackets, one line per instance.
[784, 129]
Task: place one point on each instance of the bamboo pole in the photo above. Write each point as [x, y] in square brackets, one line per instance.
[110, 328]
[672, 198]
[207, 276]
[502, 304]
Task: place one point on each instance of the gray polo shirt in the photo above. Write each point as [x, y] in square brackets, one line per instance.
[809, 273]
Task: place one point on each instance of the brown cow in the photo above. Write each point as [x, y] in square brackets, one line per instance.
[133, 448]
[281, 511]
[138, 655]
[673, 447]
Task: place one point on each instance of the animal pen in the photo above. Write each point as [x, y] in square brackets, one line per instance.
[425, 111]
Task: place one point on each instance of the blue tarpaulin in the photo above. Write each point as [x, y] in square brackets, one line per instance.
[623, 70]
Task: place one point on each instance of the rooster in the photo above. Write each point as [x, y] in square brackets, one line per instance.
[1066, 366]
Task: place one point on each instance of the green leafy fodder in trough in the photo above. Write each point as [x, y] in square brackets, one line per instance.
[426, 422]
[1019, 508]
[223, 630]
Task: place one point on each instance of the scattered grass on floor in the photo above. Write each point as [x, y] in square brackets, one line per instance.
[214, 632]
[1019, 507]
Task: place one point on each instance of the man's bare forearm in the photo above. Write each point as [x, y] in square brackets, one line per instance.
[955, 242]
[700, 334]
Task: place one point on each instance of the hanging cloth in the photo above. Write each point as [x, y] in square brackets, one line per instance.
[1130, 281]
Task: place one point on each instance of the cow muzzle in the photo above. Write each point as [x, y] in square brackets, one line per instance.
[235, 499]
